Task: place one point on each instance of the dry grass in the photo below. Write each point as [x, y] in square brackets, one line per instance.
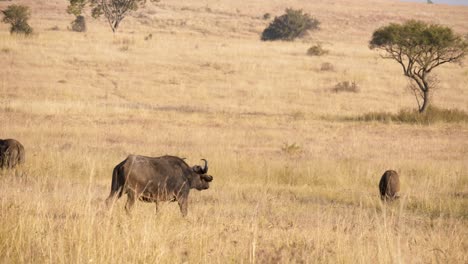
[412, 116]
[292, 183]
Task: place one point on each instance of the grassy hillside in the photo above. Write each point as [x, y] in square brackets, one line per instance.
[294, 179]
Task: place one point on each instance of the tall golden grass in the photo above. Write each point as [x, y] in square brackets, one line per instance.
[293, 182]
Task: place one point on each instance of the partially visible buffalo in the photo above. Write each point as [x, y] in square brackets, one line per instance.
[149, 179]
[11, 153]
[389, 185]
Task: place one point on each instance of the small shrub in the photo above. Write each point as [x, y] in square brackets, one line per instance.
[297, 115]
[266, 16]
[124, 43]
[17, 16]
[289, 26]
[327, 66]
[149, 36]
[316, 50]
[432, 115]
[346, 86]
[54, 28]
[79, 24]
[291, 148]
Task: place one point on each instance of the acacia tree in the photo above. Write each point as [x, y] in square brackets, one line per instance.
[17, 16]
[114, 10]
[419, 48]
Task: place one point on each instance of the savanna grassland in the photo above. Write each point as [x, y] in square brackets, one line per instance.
[295, 179]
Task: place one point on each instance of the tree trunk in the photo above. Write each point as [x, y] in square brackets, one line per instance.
[425, 104]
[116, 25]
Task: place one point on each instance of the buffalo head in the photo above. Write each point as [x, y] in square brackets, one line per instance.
[200, 180]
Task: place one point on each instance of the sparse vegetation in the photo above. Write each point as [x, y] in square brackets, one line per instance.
[420, 47]
[293, 24]
[266, 16]
[317, 50]
[124, 43]
[149, 36]
[54, 28]
[327, 66]
[17, 16]
[431, 116]
[346, 86]
[291, 148]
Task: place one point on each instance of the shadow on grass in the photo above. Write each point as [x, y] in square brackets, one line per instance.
[409, 116]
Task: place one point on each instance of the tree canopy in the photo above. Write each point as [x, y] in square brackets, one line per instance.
[76, 7]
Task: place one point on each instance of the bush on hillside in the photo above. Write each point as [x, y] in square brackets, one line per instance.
[317, 50]
[346, 86]
[17, 16]
[327, 66]
[79, 24]
[293, 24]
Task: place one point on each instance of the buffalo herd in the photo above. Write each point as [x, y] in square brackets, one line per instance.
[166, 178]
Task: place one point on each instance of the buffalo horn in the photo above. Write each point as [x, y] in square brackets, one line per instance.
[205, 169]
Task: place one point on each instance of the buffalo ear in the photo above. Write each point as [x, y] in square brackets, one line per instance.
[197, 169]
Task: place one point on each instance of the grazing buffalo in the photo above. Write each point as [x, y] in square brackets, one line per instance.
[389, 185]
[11, 153]
[149, 179]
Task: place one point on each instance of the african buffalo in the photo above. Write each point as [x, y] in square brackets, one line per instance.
[11, 153]
[154, 179]
[389, 185]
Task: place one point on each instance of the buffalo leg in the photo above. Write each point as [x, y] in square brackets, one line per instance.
[113, 196]
[183, 206]
[111, 199]
[130, 201]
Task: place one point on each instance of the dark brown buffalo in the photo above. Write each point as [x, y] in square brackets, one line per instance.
[389, 186]
[149, 179]
[11, 153]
